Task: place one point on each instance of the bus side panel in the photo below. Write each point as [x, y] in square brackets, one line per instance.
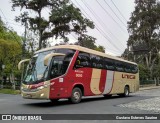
[122, 79]
[93, 80]
[59, 88]
[109, 82]
[102, 80]
[80, 76]
[87, 81]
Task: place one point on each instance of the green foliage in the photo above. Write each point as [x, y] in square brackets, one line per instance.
[8, 34]
[10, 50]
[9, 91]
[100, 48]
[10, 54]
[63, 19]
[156, 69]
[143, 72]
[89, 42]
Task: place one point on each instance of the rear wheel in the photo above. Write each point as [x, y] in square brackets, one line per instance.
[76, 95]
[126, 91]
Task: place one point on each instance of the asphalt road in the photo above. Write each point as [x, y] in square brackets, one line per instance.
[14, 104]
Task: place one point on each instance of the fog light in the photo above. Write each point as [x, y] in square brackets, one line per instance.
[42, 95]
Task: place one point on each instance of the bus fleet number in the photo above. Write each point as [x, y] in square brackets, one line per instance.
[79, 75]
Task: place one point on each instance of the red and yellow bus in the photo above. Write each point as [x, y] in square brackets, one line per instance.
[71, 71]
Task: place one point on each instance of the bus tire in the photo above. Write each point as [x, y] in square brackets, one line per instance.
[126, 91]
[76, 95]
[54, 100]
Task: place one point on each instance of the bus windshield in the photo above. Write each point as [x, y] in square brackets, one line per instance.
[36, 68]
[37, 72]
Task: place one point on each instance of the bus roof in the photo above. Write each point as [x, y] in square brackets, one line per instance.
[83, 49]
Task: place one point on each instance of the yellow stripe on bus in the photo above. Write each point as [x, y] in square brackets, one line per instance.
[95, 81]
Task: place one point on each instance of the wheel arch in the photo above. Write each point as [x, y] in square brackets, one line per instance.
[80, 86]
[127, 86]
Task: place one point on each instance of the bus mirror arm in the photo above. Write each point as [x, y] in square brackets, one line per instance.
[47, 57]
[22, 61]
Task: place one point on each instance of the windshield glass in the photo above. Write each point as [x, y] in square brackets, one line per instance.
[36, 71]
[36, 68]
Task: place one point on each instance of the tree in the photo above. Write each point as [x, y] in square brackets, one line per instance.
[63, 19]
[100, 48]
[10, 50]
[144, 32]
[156, 69]
[143, 72]
[8, 34]
[86, 41]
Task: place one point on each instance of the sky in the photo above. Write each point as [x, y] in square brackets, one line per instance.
[109, 16]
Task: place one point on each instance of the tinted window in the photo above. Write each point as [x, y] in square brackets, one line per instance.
[66, 61]
[134, 68]
[96, 61]
[83, 60]
[109, 64]
[59, 64]
[130, 68]
[119, 66]
[127, 68]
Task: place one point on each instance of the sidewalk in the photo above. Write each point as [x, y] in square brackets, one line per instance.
[149, 87]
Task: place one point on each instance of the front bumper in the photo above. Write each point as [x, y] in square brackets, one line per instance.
[28, 93]
[40, 94]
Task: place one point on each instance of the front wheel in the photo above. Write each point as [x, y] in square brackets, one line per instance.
[76, 95]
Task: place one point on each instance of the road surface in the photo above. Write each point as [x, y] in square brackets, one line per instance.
[142, 102]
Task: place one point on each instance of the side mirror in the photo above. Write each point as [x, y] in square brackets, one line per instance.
[46, 58]
[22, 61]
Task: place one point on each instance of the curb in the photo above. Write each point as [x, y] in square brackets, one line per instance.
[148, 88]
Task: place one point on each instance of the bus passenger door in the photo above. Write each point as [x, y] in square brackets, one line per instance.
[82, 71]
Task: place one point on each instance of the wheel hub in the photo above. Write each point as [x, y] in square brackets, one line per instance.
[76, 96]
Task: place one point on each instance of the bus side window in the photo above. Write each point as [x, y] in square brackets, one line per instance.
[83, 60]
[119, 66]
[97, 61]
[66, 62]
[109, 64]
[100, 64]
[93, 61]
[127, 68]
[134, 69]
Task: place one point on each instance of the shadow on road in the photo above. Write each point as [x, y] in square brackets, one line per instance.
[65, 102]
